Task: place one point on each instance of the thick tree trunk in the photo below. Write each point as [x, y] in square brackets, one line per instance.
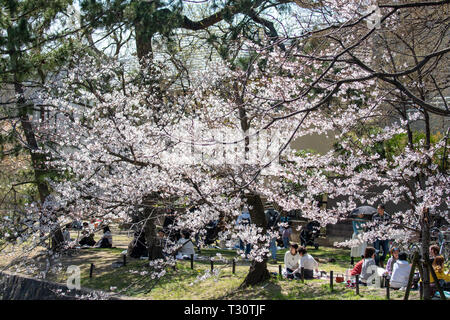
[258, 270]
[154, 248]
[143, 43]
[143, 35]
[148, 216]
[258, 273]
[37, 159]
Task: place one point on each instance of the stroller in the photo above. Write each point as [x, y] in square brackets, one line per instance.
[309, 233]
[211, 232]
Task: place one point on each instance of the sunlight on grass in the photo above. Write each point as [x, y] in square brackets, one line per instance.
[183, 283]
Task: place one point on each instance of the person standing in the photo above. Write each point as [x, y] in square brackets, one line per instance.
[358, 227]
[286, 234]
[244, 220]
[381, 217]
[272, 219]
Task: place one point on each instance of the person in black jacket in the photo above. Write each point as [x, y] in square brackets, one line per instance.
[381, 217]
[106, 240]
[87, 236]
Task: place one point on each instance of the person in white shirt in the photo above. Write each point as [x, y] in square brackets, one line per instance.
[308, 263]
[291, 262]
[187, 247]
[400, 272]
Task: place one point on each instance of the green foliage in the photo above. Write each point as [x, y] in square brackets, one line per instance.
[393, 147]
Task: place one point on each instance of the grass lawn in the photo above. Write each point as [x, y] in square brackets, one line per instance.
[183, 282]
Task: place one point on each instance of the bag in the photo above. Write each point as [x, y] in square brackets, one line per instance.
[339, 279]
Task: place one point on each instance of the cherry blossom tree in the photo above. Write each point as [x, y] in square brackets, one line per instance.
[129, 140]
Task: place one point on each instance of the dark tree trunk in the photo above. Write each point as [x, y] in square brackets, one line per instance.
[425, 257]
[148, 229]
[143, 34]
[258, 270]
[154, 248]
[37, 159]
[258, 273]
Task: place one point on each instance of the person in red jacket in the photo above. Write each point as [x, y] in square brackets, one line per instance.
[357, 269]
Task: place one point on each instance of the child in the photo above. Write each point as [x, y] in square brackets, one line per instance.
[308, 263]
[400, 272]
[291, 262]
[394, 257]
[438, 267]
[434, 252]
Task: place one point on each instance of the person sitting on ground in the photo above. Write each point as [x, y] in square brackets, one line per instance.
[400, 272]
[394, 257]
[308, 263]
[444, 278]
[433, 252]
[87, 236]
[357, 268]
[106, 240]
[187, 247]
[368, 262]
[291, 262]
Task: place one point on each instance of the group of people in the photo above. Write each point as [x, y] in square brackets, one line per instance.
[273, 219]
[297, 258]
[87, 236]
[398, 268]
[380, 245]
